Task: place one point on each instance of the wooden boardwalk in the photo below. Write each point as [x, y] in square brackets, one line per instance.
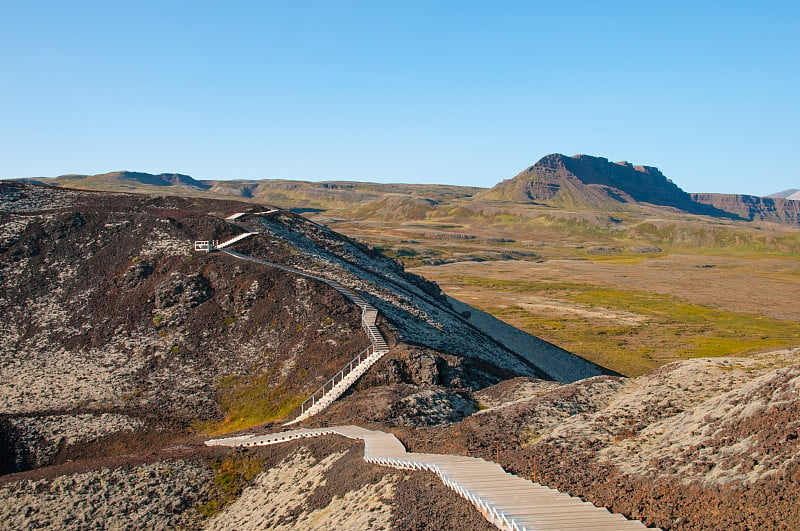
[507, 501]
[350, 373]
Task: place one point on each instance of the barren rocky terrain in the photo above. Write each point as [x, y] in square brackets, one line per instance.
[160, 495]
[318, 484]
[697, 444]
[114, 325]
[123, 349]
[111, 325]
[119, 340]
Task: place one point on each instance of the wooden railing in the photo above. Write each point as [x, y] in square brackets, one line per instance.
[368, 317]
[331, 383]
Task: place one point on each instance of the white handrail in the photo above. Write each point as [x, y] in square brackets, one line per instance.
[368, 356]
[364, 354]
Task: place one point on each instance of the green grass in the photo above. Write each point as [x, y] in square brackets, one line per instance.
[717, 240]
[251, 400]
[672, 328]
[623, 258]
[231, 476]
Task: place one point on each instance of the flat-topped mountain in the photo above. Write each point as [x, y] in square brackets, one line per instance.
[122, 180]
[584, 181]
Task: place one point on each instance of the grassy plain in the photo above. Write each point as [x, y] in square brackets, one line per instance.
[628, 330]
[631, 289]
[628, 290]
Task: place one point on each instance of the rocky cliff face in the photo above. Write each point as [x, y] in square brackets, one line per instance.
[754, 208]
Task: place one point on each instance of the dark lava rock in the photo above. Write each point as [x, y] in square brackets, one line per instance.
[137, 273]
[187, 290]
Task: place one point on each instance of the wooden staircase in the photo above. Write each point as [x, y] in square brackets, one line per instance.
[347, 376]
[507, 501]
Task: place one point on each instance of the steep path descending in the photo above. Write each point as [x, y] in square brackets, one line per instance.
[234, 240]
[341, 381]
[507, 501]
[233, 217]
[347, 376]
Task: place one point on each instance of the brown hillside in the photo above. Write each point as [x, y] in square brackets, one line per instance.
[584, 182]
[114, 325]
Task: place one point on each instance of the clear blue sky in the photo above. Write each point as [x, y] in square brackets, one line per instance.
[447, 92]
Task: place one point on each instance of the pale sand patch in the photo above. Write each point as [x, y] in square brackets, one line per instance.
[365, 508]
[543, 305]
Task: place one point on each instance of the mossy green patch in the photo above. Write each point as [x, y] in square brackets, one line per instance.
[661, 329]
[251, 400]
[231, 476]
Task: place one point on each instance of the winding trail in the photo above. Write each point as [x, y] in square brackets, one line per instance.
[507, 501]
[347, 376]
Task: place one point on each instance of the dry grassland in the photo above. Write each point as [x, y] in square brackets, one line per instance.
[634, 316]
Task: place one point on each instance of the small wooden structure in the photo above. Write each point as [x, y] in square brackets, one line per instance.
[206, 245]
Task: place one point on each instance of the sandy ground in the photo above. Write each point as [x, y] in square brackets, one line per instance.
[277, 500]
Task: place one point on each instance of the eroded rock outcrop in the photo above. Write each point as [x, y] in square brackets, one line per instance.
[754, 208]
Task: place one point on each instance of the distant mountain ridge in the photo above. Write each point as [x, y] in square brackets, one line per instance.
[131, 178]
[791, 193]
[580, 182]
[162, 179]
[754, 208]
